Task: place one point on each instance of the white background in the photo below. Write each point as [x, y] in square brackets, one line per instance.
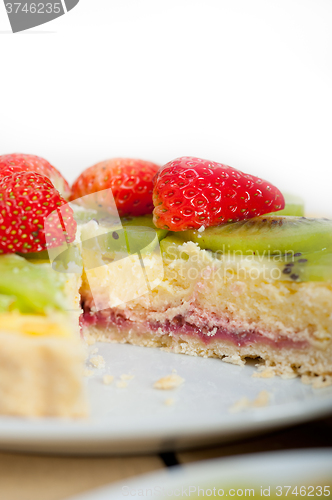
[244, 82]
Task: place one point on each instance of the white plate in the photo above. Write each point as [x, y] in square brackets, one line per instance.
[268, 473]
[136, 418]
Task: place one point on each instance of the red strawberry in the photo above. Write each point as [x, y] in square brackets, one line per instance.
[30, 163]
[130, 181]
[190, 193]
[26, 200]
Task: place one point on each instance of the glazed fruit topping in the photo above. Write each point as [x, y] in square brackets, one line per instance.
[130, 181]
[26, 200]
[191, 193]
[18, 162]
[37, 290]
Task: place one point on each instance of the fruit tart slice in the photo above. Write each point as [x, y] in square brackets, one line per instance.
[237, 282]
[41, 354]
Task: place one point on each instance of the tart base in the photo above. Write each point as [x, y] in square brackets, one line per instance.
[287, 362]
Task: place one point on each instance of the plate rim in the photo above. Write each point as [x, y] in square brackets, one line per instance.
[19, 429]
[208, 468]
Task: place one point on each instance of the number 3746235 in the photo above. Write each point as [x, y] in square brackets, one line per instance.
[33, 8]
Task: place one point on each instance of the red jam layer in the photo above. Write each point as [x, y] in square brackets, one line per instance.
[108, 318]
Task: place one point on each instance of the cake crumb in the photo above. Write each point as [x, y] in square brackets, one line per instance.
[234, 360]
[262, 400]
[169, 402]
[90, 340]
[97, 361]
[169, 382]
[266, 371]
[317, 382]
[108, 379]
[121, 384]
[201, 229]
[87, 372]
[125, 376]
[241, 404]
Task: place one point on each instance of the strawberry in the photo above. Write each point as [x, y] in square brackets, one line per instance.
[190, 193]
[26, 200]
[130, 182]
[30, 163]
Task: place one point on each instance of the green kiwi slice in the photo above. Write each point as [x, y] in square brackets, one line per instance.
[145, 221]
[28, 287]
[36, 256]
[169, 247]
[293, 267]
[103, 244]
[294, 205]
[83, 215]
[7, 303]
[136, 234]
[265, 235]
[316, 266]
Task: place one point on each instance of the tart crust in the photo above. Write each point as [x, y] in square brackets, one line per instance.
[287, 362]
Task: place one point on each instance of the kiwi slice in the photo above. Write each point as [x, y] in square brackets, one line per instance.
[315, 266]
[36, 256]
[144, 220]
[7, 303]
[294, 267]
[117, 243]
[68, 261]
[30, 288]
[265, 235]
[83, 215]
[169, 247]
[136, 234]
[294, 205]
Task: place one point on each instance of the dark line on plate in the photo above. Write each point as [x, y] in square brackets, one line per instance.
[169, 459]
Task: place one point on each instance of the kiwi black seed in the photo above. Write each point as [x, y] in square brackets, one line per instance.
[316, 266]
